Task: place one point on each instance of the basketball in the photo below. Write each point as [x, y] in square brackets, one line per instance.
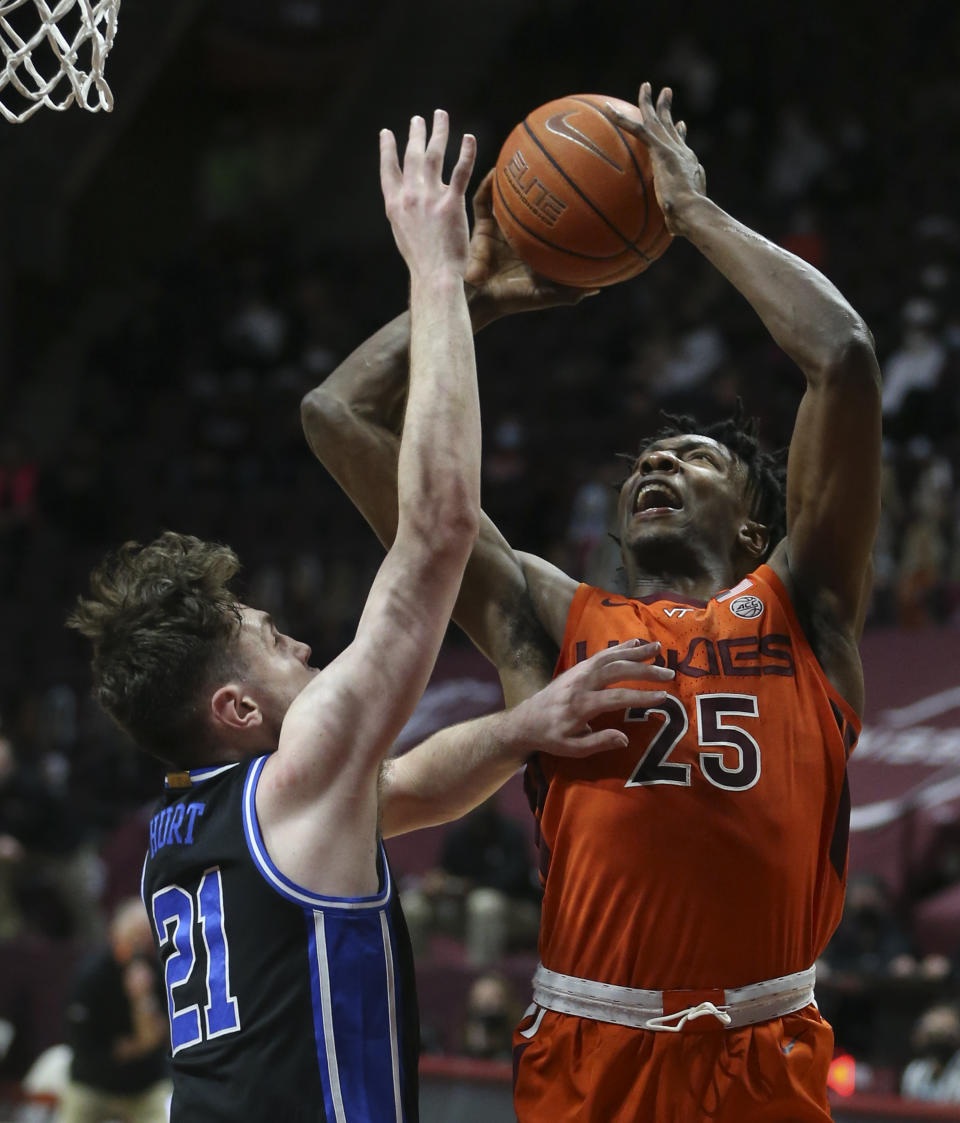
[574, 196]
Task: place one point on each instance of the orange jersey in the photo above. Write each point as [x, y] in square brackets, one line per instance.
[711, 851]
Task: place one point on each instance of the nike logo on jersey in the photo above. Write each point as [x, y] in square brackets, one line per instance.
[559, 125]
[616, 603]
[788, 1048]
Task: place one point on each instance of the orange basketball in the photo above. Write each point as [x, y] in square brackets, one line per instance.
[574, 194]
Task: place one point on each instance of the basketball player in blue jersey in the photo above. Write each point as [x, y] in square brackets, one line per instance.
[287, 969]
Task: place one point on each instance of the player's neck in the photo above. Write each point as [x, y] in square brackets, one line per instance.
[698, 581]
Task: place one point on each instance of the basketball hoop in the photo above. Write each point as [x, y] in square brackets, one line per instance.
[57, 61]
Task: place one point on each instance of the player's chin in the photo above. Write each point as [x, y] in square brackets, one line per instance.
[645, 531]
[667, 521]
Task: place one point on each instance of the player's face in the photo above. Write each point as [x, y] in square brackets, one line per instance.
[687, 487]
[276, 667]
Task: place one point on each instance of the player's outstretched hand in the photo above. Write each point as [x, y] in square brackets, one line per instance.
[428, 217]
[677, 174]
[559, 715]
[505, 283]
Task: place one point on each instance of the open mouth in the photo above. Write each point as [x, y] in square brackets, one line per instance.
[656, 497]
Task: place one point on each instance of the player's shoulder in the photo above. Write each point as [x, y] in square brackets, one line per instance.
[195, 813]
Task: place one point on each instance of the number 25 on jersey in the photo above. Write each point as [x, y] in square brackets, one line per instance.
[722, 769]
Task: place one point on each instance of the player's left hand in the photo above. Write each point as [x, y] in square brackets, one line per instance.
[678, 176]
[557, 718]
[428, 217]
[504, 282]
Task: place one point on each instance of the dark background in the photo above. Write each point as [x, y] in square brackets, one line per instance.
[175, 275]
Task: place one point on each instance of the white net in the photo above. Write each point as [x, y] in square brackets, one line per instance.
[54, 55]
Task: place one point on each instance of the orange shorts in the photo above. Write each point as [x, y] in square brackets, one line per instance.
[576, 1070]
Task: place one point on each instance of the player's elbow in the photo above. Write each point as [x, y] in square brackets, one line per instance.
[324, 418]
[852, 362]
[320, 409]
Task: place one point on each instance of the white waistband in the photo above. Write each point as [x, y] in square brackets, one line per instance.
[643, 1009]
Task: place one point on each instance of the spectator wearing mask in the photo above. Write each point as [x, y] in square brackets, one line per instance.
[869, 944]
[934, 1072]
[491, 1013]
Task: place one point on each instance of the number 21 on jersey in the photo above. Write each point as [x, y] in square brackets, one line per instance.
[175, 912]
[713, 730]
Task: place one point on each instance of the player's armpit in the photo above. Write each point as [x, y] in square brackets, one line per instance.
[494, 607]
[551, 593]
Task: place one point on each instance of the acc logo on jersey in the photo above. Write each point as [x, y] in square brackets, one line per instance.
[747, 608]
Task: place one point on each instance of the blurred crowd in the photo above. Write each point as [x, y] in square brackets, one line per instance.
[170, 399]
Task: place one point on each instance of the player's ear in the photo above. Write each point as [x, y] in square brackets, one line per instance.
[233, 708]
[753, 538]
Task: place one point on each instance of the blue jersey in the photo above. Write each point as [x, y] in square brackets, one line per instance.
[285, 1005]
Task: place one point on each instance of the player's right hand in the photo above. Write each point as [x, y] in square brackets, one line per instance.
[428, 217]
[559, 715]
[504, 282]
[678, 176]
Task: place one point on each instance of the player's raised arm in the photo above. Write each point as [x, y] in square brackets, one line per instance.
[833, 480]
[352, 423]
[340, 726]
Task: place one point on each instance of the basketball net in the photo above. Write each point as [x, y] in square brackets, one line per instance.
[67, 81]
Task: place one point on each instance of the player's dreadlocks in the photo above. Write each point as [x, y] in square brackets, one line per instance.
[766, 471]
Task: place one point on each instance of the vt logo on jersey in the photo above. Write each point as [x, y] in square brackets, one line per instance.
[678, 612]
[559, 125]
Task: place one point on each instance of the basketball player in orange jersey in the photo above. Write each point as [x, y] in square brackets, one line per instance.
[691, 879]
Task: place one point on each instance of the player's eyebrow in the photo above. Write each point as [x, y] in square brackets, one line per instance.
[266, 623]
[686, 445]
[692, 443]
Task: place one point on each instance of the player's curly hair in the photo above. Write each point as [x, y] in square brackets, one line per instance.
[162, 621]
[766, 471]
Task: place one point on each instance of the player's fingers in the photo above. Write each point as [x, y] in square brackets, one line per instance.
[645, 101]
[624, 670]
[628, 124]
[389, 165]
[621, 698]
[437, 145]
[462, 170]
[635, 650]
[563, 294]
[416, 143]
[483, 197]
[682, 129]
[601, 742]
[664, 104]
